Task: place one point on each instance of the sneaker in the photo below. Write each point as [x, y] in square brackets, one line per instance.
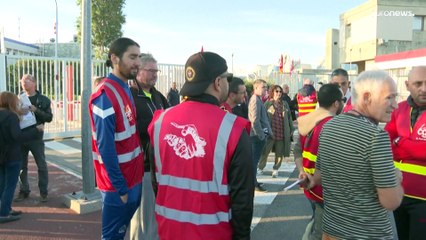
[259, 171]
[43, 198]
[21, 196]
[259, 188]
[9, 218]
[275, 173]
[15, 212]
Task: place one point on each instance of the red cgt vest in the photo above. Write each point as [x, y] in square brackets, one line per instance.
[307, 104]
[192, 159]
[310, 145]
[414, 172]
[127, 143]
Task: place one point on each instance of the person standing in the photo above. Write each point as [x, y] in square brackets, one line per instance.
[282, 130]
[147, 100]
[117, 153]
[11, 138]
[260, 126]
[306, 98]
[202, 159]
[330, 101]
[40, 106]
[173, 95]
[407, 131]
[340, 77]
[235, 103]
[360, 183]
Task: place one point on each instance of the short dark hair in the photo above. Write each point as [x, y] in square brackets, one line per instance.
[339, 72]
[328, 94]
[234, 84]
[119, 47]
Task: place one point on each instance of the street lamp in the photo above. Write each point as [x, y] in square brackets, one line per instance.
[56, 53]
[232, 62]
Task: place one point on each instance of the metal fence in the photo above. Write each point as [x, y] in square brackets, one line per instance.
[65, 88]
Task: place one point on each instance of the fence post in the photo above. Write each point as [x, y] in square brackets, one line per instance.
[3, 78]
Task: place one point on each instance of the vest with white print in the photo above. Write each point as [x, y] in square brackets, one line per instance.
[127, 143]
[414, 172]
[194, 146]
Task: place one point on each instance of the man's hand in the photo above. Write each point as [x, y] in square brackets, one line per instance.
[40, 127]
[32, 108]
[124, 198]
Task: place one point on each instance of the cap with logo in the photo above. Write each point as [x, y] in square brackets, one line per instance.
[201, 69]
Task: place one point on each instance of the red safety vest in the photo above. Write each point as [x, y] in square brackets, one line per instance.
[307, 104]
[127, 142]
[414, 172]
[348, 105]
[194, 145]
[310, 145]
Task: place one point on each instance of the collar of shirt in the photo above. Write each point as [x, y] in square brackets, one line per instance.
[205, 98]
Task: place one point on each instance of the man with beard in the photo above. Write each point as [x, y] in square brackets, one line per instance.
[202, 159]
[118, 156]
[235, 103]
[147, 100]
[330, 100]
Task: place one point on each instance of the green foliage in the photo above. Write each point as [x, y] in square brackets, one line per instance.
[107, 20]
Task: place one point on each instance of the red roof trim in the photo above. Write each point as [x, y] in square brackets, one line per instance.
[401, 55]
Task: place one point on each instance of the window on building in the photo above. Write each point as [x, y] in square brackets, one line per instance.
[419, 23]
[348, 30]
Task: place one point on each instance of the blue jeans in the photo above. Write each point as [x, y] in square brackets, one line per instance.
[257, 149]
[37, 149]
[116, 215]
[9, 173]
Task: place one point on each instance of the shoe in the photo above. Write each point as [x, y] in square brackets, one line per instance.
[259, 188]
[21, 196]
[15, 212]
[43, 198]
[275, 173]
[9, 218]
[259, 171]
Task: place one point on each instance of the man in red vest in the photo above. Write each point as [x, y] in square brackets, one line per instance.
[117, 152]
[407, 131]
[306, 98]
[204, 173]
[330, 100]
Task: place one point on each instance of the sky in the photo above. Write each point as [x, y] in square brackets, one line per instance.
[245, 32]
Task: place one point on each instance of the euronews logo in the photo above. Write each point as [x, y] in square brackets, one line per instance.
[395, 13]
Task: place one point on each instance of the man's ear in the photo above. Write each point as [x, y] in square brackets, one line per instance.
[114, 59]
[217, 83]
[366, 97]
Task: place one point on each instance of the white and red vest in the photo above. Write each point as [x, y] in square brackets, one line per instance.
[414, 172]
[348, 105]
[194, 145]
[306, 104]
[310, 145]
[127, 142]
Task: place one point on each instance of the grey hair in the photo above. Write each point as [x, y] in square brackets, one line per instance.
[147, 58]
[368, 81]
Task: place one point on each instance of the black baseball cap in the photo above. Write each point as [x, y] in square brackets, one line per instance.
[201, 69]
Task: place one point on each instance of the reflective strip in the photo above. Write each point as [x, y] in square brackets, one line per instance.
[411, 168]
[102, 113]
[128, 130]
[307, 104]
[416, 197]
[122, 158]
[306, 110]
[309, 170]
[157, 128]
[311, 157]
[194, 218]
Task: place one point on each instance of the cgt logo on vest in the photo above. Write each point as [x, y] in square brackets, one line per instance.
[129, 113]
[422, 133]
[189, 144]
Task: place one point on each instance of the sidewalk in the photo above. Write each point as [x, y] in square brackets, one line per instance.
[51, 220]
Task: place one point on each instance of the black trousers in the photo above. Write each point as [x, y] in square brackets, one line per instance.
[410, 219]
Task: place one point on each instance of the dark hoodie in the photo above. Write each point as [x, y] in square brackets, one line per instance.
[13, 136]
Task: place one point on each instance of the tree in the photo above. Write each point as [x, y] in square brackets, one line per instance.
[107, 20]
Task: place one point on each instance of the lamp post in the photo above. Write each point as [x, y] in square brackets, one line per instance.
[56, 54]
[232, 62]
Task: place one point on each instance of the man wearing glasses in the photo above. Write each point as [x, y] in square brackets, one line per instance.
[147, 100]
[235, 103]
[340, 77]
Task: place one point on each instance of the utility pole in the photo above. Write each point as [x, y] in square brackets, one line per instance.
[56, 80]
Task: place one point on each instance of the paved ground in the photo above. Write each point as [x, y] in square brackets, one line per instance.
[277, 214]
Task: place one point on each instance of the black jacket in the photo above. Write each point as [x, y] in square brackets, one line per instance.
[173, 97]
[13, 136]
[145, 108]
[43, 114]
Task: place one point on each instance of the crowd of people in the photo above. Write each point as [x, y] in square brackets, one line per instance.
[168, 169]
